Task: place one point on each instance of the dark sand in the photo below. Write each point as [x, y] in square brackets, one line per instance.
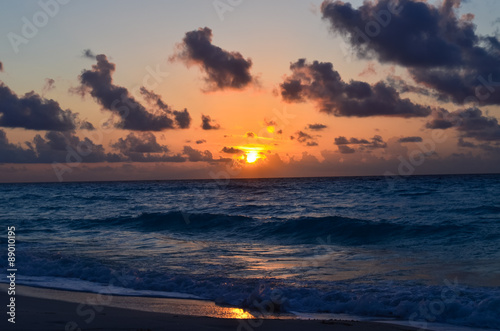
[43, 309]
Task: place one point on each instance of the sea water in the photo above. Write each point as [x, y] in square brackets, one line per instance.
[417, 249]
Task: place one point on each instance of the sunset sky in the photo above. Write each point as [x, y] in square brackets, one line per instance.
[124, 90]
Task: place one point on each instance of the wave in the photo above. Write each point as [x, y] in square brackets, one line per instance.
[449, 303]
[301, 230]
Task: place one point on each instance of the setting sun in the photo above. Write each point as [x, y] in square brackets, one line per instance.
[252, 156]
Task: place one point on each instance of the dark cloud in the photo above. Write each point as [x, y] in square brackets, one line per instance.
[195, 155]
[85, 125]
[462, 143]
[140, 143]
[143, 147]
[375, 142]
[319, 82]
[316, 127]
[303, 137]
[62, 147]
[182, 118]
[207, 123]
[49, 85]
[470, 122]
[223, 69]
[1, 66]
[231, 150]
[344, 149]
[10, 153]
[250, 134]
[270, 123]
[117, 99]
[201, 141]
[87, 53]
[410, 140]
[440, 49]
[33, 112]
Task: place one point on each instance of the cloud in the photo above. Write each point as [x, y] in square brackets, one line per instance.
[223, 69]
[462, 143]
[33, 112]
[319, 82]
[317, 127]
[195, 155]
[232, 150]
[207, 124]
[344, 149]
[1, 66]
[369, 70]
[306, 138]
[470, 122]
[87, 126]
[182, 118]
[49, 85]
[133, 116]
[140, 143]
[63, 147]
[343, 143]
[410, 140]
[201, 141]
[143, 147]
[440, 49]
[250, 134]
[87, 53]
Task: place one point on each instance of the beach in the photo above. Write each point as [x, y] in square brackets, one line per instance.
[35, 310]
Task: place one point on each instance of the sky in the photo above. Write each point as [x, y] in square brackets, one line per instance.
[129, 90]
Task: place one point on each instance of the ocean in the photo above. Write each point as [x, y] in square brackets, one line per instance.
[420, 249]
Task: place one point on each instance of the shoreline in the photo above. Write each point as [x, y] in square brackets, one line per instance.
[48, 309]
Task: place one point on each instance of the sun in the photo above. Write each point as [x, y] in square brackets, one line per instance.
[252, 156]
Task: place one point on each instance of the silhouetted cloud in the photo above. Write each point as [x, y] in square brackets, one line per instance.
[207, 124]
[33, 112]
[1, 66]
[201, 141]
[143, 147]
[87, 126]
[316, 127]
[319, 82]
[470, 122]
[231, 150]
[344, 149]
[304, 137]
[375, 142]
[440, 49]
[223, 69]
[195, 155]
[250, 134]
[410, 140]
[63, 147]
[182, 118]
[462, 143]
[89, 54]
[49, 85]
[140, 143]
[117, 99]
